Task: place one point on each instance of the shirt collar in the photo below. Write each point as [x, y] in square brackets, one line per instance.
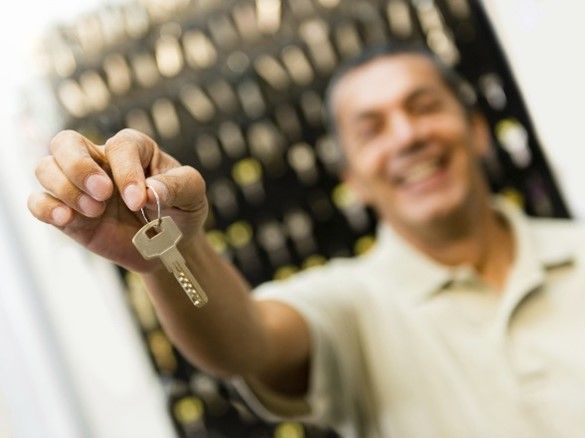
[419, 277]
[412, 273]
[536, 251]
[541, 248]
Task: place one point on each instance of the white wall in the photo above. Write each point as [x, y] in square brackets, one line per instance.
[71, 361]
[543, 40]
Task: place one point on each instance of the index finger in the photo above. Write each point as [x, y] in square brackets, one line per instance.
[128, 153]
[80, 160]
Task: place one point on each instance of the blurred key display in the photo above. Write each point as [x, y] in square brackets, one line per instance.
[235, 89]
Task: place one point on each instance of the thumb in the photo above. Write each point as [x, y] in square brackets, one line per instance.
[181, 187]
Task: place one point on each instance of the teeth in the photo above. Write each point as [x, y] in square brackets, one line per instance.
[421, 171]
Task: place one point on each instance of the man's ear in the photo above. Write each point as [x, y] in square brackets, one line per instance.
[355, 185]
[481, 135]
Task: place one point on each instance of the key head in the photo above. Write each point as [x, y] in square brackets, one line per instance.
[150, 246]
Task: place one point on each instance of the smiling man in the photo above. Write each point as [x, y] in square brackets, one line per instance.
[465, 320]
[413, 144]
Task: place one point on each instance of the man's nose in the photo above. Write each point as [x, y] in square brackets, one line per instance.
[403, 131]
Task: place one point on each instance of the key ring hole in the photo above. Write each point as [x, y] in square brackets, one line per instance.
[152, 232]
[157, 227]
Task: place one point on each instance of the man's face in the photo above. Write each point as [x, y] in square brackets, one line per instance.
[410, 148]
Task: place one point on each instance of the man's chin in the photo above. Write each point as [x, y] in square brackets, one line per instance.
[434, 211]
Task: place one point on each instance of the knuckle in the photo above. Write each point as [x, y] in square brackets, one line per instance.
[62, 137]
[67, 193]
[31, 203]
[115, 144]
[36, 205]
[122, 164]
[44, 211]
[124, 137]
[137, 136]
[81, 168]
[127, 178]
[173, 187]
[196, 179]
[168, 159]
[43, 165]
[129, 133]
[128, 139]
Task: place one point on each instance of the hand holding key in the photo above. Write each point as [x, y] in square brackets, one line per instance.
[92, 193]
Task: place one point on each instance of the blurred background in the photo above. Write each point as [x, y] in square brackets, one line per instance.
[234, 88]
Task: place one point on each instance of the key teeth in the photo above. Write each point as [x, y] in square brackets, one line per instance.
[198, 301]
[190, 290]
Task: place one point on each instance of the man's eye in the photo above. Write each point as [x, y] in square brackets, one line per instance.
[426, 106]
[367, 132]
[365, 135]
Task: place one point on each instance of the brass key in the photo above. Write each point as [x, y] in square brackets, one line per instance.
[159, 238]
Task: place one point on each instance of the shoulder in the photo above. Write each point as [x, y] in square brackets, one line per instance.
[564, 230]
[338, 272]
[336, 281]
[558, 236]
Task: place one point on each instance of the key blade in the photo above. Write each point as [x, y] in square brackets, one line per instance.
[172, 259]
[175, 263]
[191, 286]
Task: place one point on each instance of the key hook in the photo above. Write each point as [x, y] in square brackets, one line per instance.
[157, 208]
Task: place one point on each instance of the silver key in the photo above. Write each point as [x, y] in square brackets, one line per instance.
[161, 241]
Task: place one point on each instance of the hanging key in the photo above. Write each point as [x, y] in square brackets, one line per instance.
[159, 238]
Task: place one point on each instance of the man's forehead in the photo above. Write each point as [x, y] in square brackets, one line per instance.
[383, 79]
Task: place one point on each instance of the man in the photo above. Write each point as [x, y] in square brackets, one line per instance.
[463, 321]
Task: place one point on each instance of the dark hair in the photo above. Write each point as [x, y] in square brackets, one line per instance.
[455, 83]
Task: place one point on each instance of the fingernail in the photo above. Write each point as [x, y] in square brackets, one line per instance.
[60, 215]
[160, 189]
[98, 186]
[133, 197]
[89, 206]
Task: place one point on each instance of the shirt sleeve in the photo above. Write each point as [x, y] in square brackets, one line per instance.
[323, 297]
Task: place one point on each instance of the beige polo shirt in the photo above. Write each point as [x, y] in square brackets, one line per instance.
[405, 347]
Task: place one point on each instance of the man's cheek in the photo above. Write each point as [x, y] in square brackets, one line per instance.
[372, 161]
